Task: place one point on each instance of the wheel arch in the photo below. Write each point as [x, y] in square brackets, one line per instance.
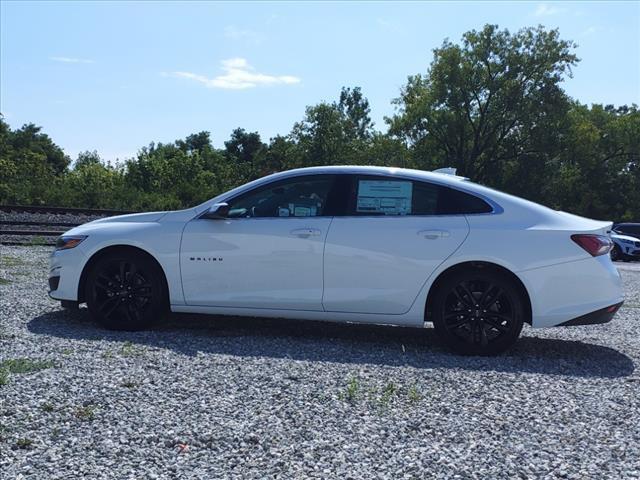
[111, 249]
[478, 265]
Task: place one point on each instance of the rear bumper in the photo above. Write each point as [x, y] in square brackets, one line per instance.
[569, 291]
[604, 315]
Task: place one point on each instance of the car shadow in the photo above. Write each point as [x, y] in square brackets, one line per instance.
[340, 343]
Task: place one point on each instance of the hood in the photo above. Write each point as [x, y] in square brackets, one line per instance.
[618, 236]
[132, 217]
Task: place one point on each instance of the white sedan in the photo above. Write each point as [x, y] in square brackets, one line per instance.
[349, 244]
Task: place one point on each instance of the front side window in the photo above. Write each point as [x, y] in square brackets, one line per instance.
[398, 197]
[295, 197]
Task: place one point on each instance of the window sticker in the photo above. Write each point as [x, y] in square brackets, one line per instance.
[389, 197]
[299, 211]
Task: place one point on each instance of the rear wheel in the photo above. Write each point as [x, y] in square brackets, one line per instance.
[478, 312]
[124, 291]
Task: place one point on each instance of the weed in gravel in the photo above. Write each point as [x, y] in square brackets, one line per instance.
[4, 281]
[129, 384]
[413, 394]
[351, 391]
[389, 390]
[4, 375]
[67, 351]
[26, 365]
[128, 349]
[47, 407]
[107, 354]
[24, 443]
[86, 412]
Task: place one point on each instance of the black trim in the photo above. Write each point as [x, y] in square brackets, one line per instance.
[604, 315]
[53, 283]
[70, 304]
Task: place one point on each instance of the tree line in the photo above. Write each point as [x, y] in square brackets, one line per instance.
[491, 105]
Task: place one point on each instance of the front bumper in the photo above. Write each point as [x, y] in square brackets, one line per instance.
[65, 267]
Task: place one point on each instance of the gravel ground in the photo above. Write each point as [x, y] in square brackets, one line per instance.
[203, 397]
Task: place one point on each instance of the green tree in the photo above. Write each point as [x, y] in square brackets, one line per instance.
[483, 101]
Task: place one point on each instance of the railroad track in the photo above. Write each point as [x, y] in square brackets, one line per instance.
[61, 210]
[42, 232]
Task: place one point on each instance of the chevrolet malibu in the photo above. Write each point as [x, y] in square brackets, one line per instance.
[349, 244]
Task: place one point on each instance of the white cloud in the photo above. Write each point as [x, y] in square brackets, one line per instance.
[238, 75]
[546, 10]
[235, 33]
[71, 60]
[590, 31]
[389, 25]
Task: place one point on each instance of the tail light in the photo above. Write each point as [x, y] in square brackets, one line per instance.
[596, 245]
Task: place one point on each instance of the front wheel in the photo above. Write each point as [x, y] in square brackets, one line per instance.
[478, 312]
[124, 291]
[616, 253]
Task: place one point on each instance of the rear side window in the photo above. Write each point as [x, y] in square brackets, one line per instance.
[397, 197]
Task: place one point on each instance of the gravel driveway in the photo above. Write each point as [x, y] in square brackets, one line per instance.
[205, 397]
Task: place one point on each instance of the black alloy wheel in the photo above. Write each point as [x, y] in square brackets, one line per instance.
[478, 313]
[124, 292]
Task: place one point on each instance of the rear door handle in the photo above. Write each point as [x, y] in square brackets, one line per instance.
[305, 232]
[434, 234]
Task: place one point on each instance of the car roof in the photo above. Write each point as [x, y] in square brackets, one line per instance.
[373, 170]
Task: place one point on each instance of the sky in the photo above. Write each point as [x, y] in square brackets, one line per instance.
[115, 76]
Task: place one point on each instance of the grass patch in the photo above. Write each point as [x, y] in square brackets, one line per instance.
[26, 365]
[86, 413]
[38, 240]
[7, 261]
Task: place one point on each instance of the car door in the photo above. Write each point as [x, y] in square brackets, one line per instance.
[378, 256]
[266, 254]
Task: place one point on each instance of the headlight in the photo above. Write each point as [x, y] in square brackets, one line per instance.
[66, 242]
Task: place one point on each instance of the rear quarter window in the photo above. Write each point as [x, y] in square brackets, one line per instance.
[455, 202]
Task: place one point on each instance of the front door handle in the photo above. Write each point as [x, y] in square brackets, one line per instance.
[305, 232]
[434, 234]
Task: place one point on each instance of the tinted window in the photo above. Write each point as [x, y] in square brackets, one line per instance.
[296, 197]
[454, 202]
[372, 195]
[629, 229]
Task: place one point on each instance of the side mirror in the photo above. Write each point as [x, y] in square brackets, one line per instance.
[217, 211]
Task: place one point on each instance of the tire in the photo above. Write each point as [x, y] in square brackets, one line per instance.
[616, 253]
[125, 291]
[478, 312]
